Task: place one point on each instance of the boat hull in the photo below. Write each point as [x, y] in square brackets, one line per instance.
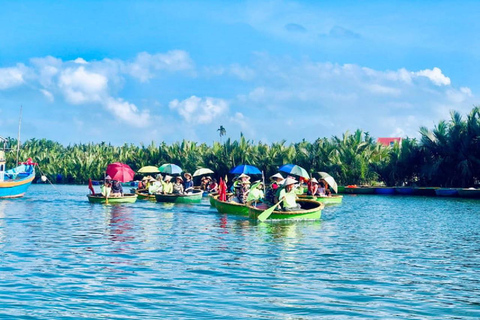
[16, 188]
[425, 191]
[145, 196]
[385, 190]
[99, 198]
[336, 199]
[313, 212]
[469, 193]
[195, 197]
[446, 192]
[230, 207]
[360, 190]
[405, 190]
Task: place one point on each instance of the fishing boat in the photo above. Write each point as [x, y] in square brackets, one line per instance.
[144, 195]
[404, 190]
[230, 207]
[100, 198]
[446, 192]
[384, 190]
[334, 199]
[312, 210]
[469, 193]
[195, 197]
[14, 182]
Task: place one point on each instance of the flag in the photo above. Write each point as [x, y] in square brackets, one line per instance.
[90, 186]
[222, 190]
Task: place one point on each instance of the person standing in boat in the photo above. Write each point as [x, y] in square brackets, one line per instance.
[188, 184]
[117, 189]
[277, 180]
[178, 186]
[288, 196]
[167, 185]
[107, 187]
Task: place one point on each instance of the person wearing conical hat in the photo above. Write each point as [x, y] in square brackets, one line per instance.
[188, 184]
[155, 186]
[256, 192]
[288, 196]
[178, 185]
[272, 188]
[312, 187]
[167, 185]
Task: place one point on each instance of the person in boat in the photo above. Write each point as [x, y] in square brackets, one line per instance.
[167, 185]
[178, 186]
[313, 187]
[276, 182]
[155, 185]
[213, 186]
[204, 184]
[188, 184]
[326, 190]
[107, 186]
[142, 184]
[117, 189]
[256, 192]
[288, 196]
[241, 191]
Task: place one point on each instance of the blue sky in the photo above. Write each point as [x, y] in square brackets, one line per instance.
[142, 71]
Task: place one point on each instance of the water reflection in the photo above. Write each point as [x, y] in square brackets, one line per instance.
[120, 223]
[3, 205]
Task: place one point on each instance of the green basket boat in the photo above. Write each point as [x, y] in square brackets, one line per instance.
[195, 197]
[230, 207]
[312, 211]
[335, 199]
[144, 195]
[99, 198]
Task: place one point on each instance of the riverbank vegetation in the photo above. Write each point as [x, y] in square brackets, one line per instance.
[447, 155]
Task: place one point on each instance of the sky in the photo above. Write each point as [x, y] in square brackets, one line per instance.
[143, 71]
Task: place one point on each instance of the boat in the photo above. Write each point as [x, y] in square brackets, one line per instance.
[384, 190]
[211, 198]
[334, 199]
[446, 192]
[405, 190]
[100, 198]
[195, 197]
[353, 189]
[144, 195]
[230, 207]
[312, 211]
[469, 193]
[425, 191]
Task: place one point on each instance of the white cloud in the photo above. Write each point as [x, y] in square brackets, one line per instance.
[12, 77]
[81, 86]
[127, 112]
[80, 61]
[47, 95]
[435, 75]
[196, 110]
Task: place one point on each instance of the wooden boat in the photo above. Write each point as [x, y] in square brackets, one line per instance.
[195, 197]
[230, 207]
[15, 182]
[341, 189]
[144, 195]
[211, 198]
[99, 198]
[425, 191]
[469, 193]
[404, 190]
[312, 211]
[359, 190]
[335, 199]
[384, 190]
[446, 192]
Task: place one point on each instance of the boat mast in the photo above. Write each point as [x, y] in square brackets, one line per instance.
[19, 127]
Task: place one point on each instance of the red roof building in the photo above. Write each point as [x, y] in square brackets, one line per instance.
[389, 141]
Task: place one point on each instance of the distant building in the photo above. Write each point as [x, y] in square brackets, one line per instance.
[389, 141]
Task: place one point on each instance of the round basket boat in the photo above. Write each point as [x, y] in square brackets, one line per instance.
[230, 207]
[312, 210]
[195, 197]
[100, 198]
[144, 195]
[335, 199]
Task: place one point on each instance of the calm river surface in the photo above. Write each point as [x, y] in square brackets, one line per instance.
[373, 257]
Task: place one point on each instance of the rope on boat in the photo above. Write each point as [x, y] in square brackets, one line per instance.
[44, 175]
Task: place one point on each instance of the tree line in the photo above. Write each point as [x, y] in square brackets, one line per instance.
[447, 155]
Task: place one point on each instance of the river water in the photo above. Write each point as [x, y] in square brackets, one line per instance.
[373, 257]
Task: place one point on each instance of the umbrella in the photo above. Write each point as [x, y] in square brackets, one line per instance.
[148, 169]
[120, 172]
[294, 169]
[202, 171]
[245, 168]
[170, 168]
[329, 179]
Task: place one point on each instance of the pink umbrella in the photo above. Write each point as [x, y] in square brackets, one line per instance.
[120, 172]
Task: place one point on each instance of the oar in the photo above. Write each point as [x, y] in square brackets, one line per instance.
[265, 214]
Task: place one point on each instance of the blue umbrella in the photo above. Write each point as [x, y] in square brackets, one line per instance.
[294, 169]
[245, 168]
[170, 168]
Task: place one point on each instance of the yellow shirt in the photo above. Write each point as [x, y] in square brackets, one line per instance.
[167, 187]
[289, 198]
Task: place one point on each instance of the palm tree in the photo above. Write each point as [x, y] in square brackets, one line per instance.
[221, 131]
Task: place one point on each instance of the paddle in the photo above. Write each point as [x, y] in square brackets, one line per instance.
[265, 214]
